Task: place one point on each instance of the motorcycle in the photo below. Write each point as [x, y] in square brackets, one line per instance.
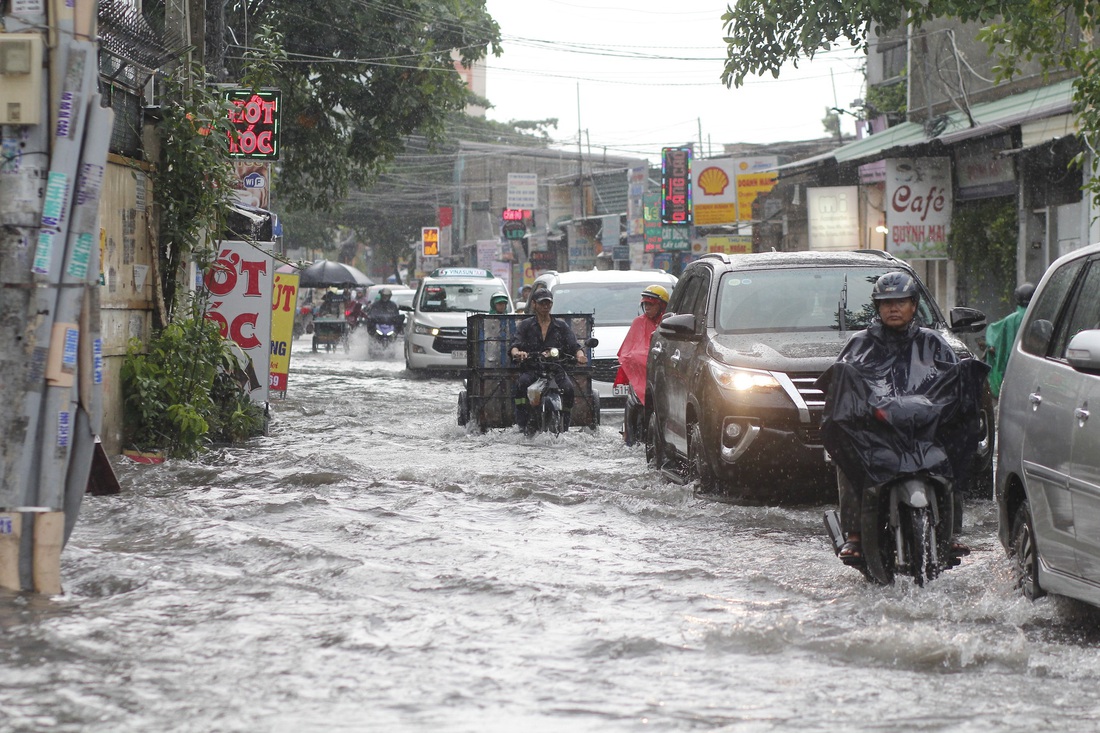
[381, 336]
[905, 453]
[544, 394]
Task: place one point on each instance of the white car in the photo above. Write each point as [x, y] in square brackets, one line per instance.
[613, 297]
[435, 333]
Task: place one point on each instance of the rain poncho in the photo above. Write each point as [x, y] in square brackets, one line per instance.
[999, 337]
[898, 403]
[633, 354]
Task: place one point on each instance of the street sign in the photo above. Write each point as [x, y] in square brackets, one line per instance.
[429, 241]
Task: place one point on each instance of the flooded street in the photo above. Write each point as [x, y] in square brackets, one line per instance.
[369, 566]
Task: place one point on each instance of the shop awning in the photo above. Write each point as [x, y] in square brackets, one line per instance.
[988, 118]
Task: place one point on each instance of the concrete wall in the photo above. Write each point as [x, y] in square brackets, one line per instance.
[128, 272]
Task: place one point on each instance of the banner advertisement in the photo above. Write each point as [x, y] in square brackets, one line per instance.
[503, 270]
[283, 304]
[918, 207]
[240, 284]
[731, 244]
[715, 195]
[833, 217]
[749, 186]
[561, 206]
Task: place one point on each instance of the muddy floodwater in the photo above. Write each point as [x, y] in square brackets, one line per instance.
[370, 566]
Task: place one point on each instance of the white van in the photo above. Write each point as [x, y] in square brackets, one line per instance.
[436, 336]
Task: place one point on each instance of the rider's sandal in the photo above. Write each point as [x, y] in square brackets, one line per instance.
[851, 553]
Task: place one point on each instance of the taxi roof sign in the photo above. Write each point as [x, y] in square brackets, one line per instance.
[461, 272]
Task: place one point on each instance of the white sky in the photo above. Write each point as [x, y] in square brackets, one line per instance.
[636, 105]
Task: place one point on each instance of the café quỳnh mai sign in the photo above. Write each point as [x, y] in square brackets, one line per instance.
[256, 117]
[918, 206]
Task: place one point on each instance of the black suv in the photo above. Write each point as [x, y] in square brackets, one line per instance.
[732, 367]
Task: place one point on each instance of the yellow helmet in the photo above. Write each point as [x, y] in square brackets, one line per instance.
[656, 291]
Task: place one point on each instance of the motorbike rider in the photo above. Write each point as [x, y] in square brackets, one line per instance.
[896, 357]
[536, 335]
[384, 310]
[1000, 335]
[498, 303]
[635, 348]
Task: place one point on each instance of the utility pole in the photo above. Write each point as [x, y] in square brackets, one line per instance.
[49, 200]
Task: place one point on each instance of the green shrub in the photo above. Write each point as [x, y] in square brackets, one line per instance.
[180, 394]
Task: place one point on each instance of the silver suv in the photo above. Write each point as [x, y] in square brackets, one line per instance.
[1048, 449]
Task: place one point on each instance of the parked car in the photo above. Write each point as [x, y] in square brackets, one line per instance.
[613, 297]
[1048, 449]
[732, 366]
[436, 336]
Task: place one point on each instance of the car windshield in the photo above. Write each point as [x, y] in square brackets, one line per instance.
[801, 299]
[443, 297]
[612, 304]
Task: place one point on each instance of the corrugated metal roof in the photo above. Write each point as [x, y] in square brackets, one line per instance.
[989, 118]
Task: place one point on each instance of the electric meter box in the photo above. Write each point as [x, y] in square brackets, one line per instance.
[21, 79]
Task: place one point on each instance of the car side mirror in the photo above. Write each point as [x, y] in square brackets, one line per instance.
[1036, 339]
[1083, 352]
[678, 325]
[967, 320]
[591, 343]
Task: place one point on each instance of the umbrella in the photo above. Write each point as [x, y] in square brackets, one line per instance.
[327, 273]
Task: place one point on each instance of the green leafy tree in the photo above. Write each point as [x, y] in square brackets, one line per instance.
[763, 35]
[356, 78]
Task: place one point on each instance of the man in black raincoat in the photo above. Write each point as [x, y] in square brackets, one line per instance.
[894, 357]
[536, 335]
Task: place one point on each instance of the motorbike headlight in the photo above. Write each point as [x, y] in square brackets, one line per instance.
[743, 380]
[425, 330]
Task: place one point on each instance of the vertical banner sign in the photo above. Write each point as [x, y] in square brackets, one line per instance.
[652, 216]
[918, 209]
[283, 304]
[240, 286]
[429, 241]
[676, 186]
[255, 116]
[253, 186]
[635, 194]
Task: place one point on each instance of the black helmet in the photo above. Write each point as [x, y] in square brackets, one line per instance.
[1023, 293]
[894, 286]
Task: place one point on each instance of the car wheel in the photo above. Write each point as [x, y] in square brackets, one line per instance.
[654, 443]
[980, 484]
[697, 461]
[1025, 555]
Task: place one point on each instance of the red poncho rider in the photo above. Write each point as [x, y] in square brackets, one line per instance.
[635, 349]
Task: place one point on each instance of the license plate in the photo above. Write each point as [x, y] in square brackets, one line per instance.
[458, 355]
[620, 390]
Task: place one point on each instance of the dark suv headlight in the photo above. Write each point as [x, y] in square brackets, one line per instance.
[736, 379]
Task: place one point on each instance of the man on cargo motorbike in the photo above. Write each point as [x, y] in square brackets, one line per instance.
[384, 310]
[898, 402]
[537, 335]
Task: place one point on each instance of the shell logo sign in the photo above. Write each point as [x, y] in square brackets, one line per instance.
[713, 181]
